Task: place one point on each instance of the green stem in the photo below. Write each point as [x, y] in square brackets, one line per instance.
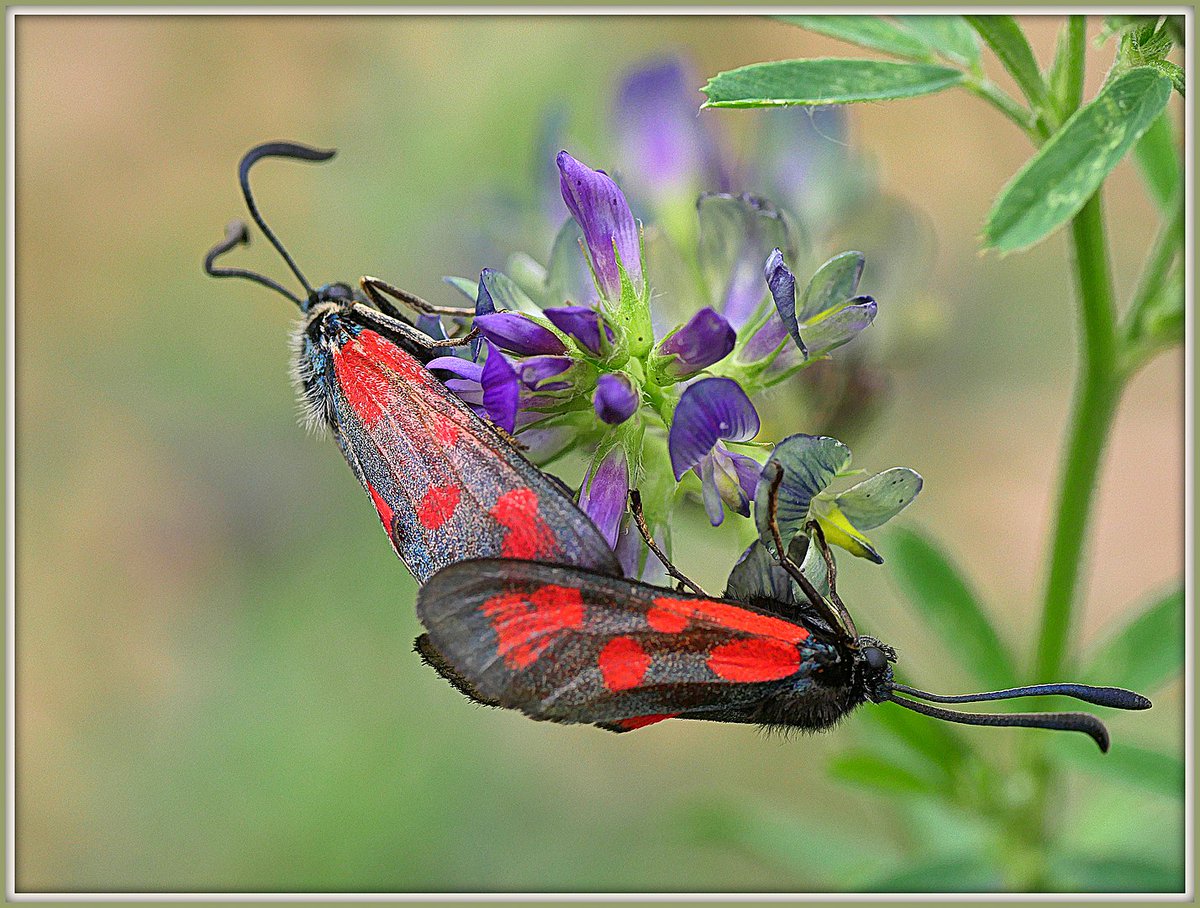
[991, 93]
[1097, 393]
[1168, 244]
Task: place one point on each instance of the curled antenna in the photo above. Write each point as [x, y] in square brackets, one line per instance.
[1088, 724]
[237, 234]
[277, 150]
[1115, 697]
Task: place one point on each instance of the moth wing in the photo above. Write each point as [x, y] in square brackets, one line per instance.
[444, 482]
[567, 645]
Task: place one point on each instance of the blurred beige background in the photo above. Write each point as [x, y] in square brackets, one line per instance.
[215, 688]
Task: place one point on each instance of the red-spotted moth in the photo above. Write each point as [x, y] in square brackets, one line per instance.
[446, 485]
[564, 644]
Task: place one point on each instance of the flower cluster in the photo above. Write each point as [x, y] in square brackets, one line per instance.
[572, 357]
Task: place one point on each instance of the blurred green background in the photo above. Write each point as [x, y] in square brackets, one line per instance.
[215, 688]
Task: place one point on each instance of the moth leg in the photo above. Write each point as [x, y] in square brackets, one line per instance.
[814, 530]
[424, 648]
[635, 508]
[456, 341]
[375, 289]
[840, 617]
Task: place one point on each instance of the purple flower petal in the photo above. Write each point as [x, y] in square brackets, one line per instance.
[604, 493]
[710, 410]
[782, 284]
[501, 392]
[582, 323]
[764, 342]
[663, 139]
[615, 399]
[710, 494]
[537, 372]
[483, 306]
[460, 367]
[706, 338]
[601, 210]
[748, 472]
[519, 334]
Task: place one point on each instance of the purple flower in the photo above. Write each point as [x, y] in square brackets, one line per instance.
[609, 229]
[706, 338]
[829, 314]
[605, 491]
[492, 390]
[466, 383]
[583, 324]
[501, 393]
[730, 478]
[712, 410]
[615, 399]
[667, 147]
[546, 374]
[519, 334]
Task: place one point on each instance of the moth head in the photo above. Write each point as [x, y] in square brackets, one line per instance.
[874, 662]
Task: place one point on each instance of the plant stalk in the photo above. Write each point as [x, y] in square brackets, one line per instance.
[1097, 393]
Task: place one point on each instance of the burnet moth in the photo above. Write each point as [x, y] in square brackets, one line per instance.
[447, 485]
[569, 645]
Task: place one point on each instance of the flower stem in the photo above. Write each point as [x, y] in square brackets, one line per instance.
[1097, 393]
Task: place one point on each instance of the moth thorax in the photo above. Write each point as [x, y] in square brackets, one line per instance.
[315, 338]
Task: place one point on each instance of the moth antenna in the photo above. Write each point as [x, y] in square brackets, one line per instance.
[818, 601]
[639, 519]
[277, 150]
[1088, 724]
[1114, 697]
[236, 234]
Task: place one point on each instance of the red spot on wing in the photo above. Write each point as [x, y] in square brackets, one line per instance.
[371, 370]
[755, 659]
[623, 663]
[384, 509]
[732, 617]
[437, 506]
[666, 620]
[525, 624]
[446, 431]
[528, 535]
[642, 721]
[384, 353]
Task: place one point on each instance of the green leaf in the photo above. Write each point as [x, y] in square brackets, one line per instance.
[875, 501]
[1125, 764]
[969, 873]
[465, 286]
[936, 741]
[507, 295]
[1146, 653]
[950, 36]
[937, 589]
[785, 839]
[826, 81]
[1117, 873]
[1160, 161]
[1008, 42]
[870, 771]
[870, 32]
[1056, 182]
